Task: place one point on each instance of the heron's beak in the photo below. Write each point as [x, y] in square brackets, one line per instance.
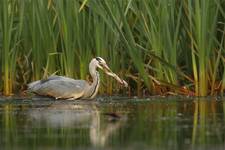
[109, 72]
[106, 68]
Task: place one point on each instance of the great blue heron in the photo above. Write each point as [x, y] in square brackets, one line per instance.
[61, 87]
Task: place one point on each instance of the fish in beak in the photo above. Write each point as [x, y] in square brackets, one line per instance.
[109, 72]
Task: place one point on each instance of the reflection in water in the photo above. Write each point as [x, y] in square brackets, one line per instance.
[119, 124]
[76, 116]
[62, 116]
[208, 121]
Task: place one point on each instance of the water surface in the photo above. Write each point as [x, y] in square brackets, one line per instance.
[113, 123]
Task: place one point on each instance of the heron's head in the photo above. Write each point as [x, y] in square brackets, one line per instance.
[102, 64]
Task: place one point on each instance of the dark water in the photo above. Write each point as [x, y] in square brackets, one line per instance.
[124, 124]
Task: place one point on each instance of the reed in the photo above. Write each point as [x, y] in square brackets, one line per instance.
[161, 31]
[158, 46]
[11, 16]
[202, 26]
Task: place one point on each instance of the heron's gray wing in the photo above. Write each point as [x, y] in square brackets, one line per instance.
[59, 87]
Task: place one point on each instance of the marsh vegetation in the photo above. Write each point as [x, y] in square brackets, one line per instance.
[159, 46]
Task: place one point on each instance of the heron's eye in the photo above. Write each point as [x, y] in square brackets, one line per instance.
[98, 59]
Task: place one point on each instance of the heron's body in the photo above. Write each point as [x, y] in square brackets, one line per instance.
[67, 88]
[54, 86]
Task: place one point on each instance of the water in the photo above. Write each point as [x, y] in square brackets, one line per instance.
[123, 124]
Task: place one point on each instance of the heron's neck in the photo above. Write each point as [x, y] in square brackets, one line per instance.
[93, 72]
[96, 80]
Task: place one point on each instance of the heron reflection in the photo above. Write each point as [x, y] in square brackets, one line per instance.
[79, 116]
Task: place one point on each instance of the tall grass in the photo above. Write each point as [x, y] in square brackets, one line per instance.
[11, 17]
[203, 21]
[160, 47]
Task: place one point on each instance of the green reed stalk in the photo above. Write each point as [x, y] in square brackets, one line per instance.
[38, 36]
[6, 28]
[202, 24]
[106, 43]
[49, 36]
[223, 82]
[76, 37]
[127, 37]
[221, 52]
[10, 27]
[64, 17]
[161, 29]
